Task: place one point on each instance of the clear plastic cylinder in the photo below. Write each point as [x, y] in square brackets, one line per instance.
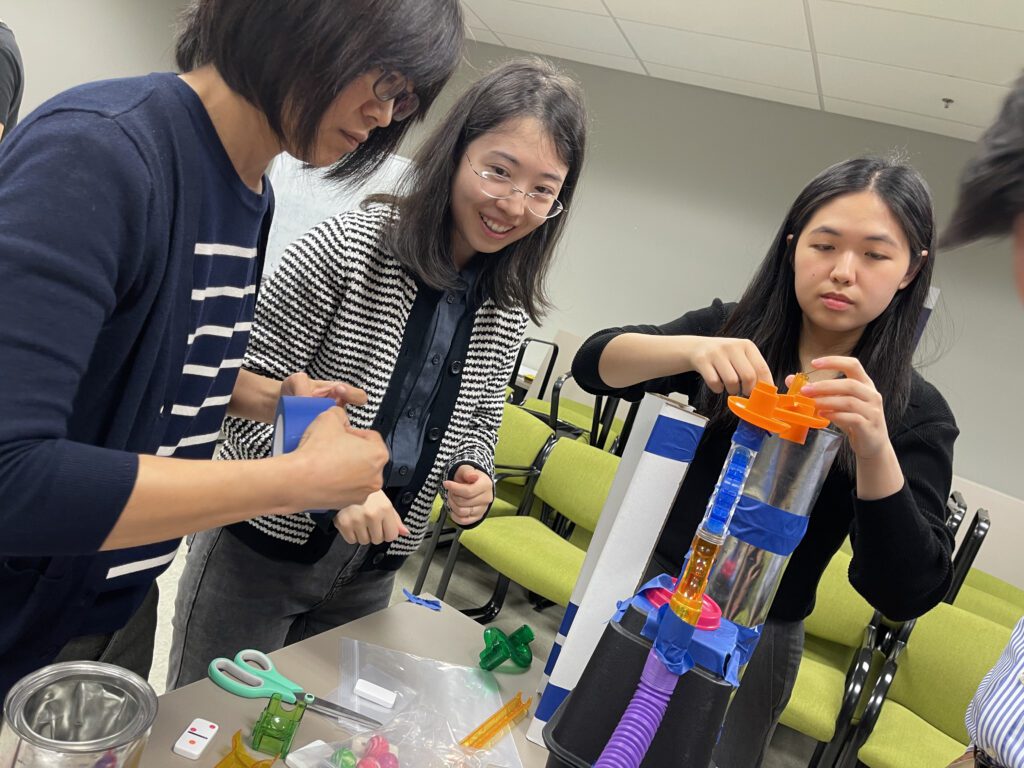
[787, 476]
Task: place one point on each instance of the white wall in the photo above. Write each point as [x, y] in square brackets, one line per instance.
[683, 190]
[68, 42]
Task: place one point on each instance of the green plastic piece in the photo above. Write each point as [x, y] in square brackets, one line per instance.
[499, 647]
[344, 758]
[276, 727]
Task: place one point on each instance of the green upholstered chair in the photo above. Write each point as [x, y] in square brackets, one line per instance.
[992, 598]
[574, 480]
[915, 715]
[845, 641]
[842, 643]
[522, 440]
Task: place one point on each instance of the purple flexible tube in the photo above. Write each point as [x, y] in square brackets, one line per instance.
[635, 731]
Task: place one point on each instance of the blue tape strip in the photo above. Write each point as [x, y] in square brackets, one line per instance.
[766, 527]
[746, 642]
[434, 605]
[674, 439]
[567, 619]
[673, 642]
[553, 696]
[556, 651]
[714, 649]
[298, 413]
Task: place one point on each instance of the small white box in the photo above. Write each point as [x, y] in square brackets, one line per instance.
[372, 692]
[193, 741]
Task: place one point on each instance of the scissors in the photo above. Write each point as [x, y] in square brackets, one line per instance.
[253, 675]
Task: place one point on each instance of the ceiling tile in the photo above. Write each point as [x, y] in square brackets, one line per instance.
[472, 20]
[779, 22]
[755, 90]
[586, 6]
[905, 119]
[945, 47]
[482, 36]
[574, 54]
[910, 91]
[736, 59]
[1005, 14]
[552, 25]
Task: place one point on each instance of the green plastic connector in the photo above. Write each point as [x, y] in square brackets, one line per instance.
[499, 647]
[344, 758]
[276, 727]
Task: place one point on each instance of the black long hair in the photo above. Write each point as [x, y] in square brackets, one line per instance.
[515, 275]
[769, 315]
[291, 59]
[991, 192]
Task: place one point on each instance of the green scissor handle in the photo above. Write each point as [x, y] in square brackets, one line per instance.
[252, 675]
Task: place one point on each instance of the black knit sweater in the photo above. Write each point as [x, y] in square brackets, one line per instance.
[901, 547]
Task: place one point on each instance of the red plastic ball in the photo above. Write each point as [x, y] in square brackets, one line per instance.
[368, 762]
[387, 760]
[377, 745]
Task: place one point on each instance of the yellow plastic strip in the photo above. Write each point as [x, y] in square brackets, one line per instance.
[494, 727]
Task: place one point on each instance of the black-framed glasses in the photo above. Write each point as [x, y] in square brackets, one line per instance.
[392, 86]
[542, 204]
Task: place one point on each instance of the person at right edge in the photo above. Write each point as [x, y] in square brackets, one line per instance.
[840, 291]
[12, 80]
[990, 203]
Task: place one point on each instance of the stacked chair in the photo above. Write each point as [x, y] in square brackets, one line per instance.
[523, 442]
[573, 479]
[846, 642]
[897, 698]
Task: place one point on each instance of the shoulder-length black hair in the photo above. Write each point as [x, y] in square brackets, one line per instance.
[992, 185]
[291, 59]
[768, 313]
[422, 239]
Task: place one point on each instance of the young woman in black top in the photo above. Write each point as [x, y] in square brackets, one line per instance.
[841, 291]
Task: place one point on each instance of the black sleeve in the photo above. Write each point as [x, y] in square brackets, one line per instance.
[901, 547]
[9, 79]
[700, 322]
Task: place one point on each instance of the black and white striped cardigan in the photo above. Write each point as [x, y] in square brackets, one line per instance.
[337, 308]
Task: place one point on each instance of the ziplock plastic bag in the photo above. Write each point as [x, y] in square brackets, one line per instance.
[417, 738]
[441, 702]
[380, 666]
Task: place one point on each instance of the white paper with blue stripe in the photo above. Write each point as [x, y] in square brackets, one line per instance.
[664, 438]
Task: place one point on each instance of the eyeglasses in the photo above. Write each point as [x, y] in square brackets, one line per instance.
[391, 86]
[542, 204]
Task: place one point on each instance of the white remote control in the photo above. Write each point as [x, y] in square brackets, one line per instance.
[195, 738]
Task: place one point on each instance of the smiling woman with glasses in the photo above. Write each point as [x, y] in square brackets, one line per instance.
[495, 184]
[420, 299]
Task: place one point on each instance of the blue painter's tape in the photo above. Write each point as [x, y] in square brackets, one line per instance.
[553, 696]
[434, 605]
[674, 439]
[567, 619]
[766, 527]
[673, 642]
[746, 642]
[294, 415]
[556, 651]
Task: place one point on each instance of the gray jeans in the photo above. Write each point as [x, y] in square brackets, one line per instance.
[231, 597]
[130, 647]
[763, 693]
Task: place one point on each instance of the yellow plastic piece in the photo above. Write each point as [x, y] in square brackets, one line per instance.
[687, 600]
[799, 380]
[239, 758]
[490, 732]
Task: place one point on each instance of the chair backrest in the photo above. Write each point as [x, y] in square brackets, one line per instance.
[575, 481]
[991, 597]
[947, 655]
[840, 614]
[968, 551]
[520, 438]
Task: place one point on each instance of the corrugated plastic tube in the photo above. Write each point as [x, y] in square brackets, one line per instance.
[635, 731]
